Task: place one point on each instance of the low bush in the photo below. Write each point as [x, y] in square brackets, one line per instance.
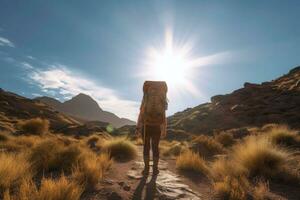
[121, 149]
[13, 169]
[261, 191]
[232, 188]
[91, 169]
[206, 146]
[52, 155]
[3, 136]
[36, 126]
[224, 138]
[260, 158]
[283, 136]
[61, 189]
[191, 162]
[174, 149]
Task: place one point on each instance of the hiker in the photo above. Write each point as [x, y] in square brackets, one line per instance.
[152, 123]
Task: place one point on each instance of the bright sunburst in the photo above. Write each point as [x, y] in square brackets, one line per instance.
[175, 64]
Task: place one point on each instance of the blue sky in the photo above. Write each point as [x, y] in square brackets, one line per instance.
[61, 48]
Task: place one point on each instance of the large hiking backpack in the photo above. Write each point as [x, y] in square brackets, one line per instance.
[155, 102]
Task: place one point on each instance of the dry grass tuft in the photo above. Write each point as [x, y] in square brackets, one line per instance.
[61, 189]
[261, 191]
[52, 155]
[283, 136]
[260, 158]
[207, 146]
[121, 149]
[36, 126]
[191, 162]
[4, 136]
[173, 148]
[225, 138]
[232, 188]
[91, 169]
[13, 169]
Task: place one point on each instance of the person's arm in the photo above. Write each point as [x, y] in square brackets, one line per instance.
[164, 129]
[140, 122]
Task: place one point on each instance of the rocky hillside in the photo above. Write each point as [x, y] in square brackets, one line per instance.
[277, 101]
[14, 108]
[85, 108]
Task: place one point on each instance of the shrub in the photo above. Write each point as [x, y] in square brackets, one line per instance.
[121, 149]
[232, 188]
[36, 126]
[207, 146]
[13, 169]
[51, 155]
[3, 136]
[173, 149]
[50, 189]
[43, 155]
[260, 158]
[91, 169]
[282, 135]
[191, 162]
[61, 189]
[260, 191]
[225, 138]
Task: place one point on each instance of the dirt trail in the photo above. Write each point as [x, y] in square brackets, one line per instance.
[125, 181]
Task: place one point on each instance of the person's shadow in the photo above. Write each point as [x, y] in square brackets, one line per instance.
[150, 188]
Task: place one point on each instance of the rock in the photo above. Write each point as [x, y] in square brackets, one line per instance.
[126, 188]
[217, 98]
[122, 183]
[295, 70]
[251, 85]
[114, 196]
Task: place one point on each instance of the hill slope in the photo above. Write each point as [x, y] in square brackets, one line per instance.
[84, 107]
[277, 101]
[14, 108]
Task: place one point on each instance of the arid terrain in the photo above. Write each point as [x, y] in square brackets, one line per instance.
[243, 145]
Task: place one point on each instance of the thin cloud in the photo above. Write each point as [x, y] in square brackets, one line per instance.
[26, 65]
[62, 82]
[31, 57]
[6, 42]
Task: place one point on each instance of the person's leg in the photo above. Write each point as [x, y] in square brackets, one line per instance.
[146, 153]
[155, 138]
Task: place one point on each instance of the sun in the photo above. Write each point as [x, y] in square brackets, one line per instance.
[175, 63]
[170, 66]
[170, 63]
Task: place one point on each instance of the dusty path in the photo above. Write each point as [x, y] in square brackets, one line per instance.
[125, 181]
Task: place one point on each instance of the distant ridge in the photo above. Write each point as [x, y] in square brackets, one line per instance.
[277, 101]
[84, 107]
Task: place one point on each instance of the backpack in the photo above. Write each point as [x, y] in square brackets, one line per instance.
[155, 102]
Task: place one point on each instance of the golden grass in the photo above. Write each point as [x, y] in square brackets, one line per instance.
[173, 149]
[61, 189]
[52, 155]
[4, 136]
[261, 191]
[191, 162]
[261, 158]
[121, 149]
[283, 136]
[91, 169]
[225, 138]
[206, 146]
[36, 126]
[13, 169]
[232, 188]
